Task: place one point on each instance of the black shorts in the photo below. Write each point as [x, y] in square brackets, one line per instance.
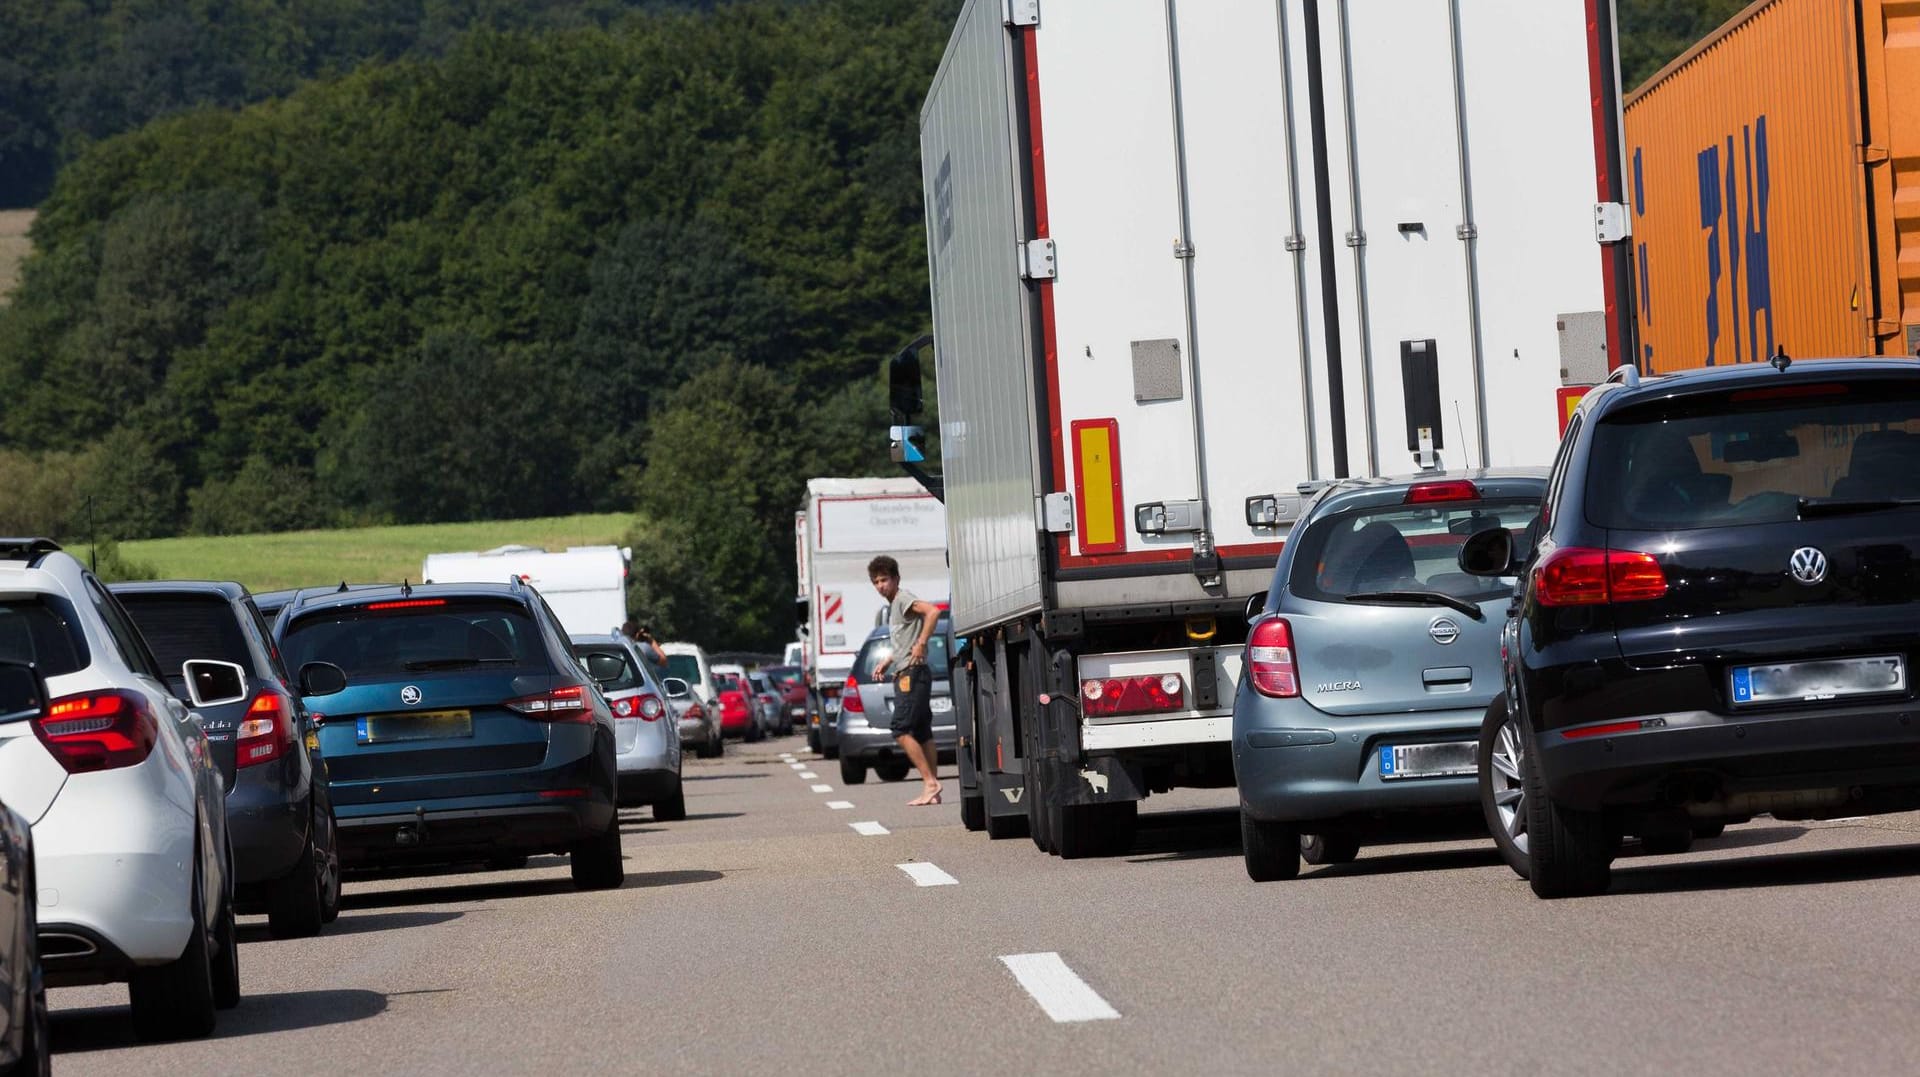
[913, 702]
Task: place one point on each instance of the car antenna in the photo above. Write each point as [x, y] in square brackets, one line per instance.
[1780, 359]
[406, 589]
[343, 588]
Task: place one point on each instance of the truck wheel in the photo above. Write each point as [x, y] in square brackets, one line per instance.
[973, 811]
[852, 771]
[1272, 850]
[1096, 829]
[1569, 852]
[1328, 849]
[892, 771]
[174, 1001]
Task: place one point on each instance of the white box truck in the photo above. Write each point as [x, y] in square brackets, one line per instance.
[1190, 258]
[844, 524]
[586, 586]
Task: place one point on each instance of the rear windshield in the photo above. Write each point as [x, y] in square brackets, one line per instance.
[182, 627]
[596, 655]
[1748, 457]
[42, 630]
[784, 676]
[1401, 548]
[684, 666]
[369, 643]
[878, 648]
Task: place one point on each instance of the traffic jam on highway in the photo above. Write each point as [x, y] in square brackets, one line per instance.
[1357, 410]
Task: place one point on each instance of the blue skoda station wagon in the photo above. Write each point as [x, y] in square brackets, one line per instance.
[457, 725]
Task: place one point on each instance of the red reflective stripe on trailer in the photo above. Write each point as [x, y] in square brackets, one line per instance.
[1049, 338]
[1609, 185]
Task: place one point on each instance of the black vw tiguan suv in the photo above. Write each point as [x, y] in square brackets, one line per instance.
[1718, 611]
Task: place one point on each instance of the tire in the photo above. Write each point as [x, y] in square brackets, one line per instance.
[719, 745]
[673, 807]
[852, 771]
[1569, 852]
[1271, 850]
[829, 751]
[813, 739]
[753, 733]
[596, 863]
[892, 770]
[1709, 831]
[973, 812]
[174, 1001]
[1321, 849]
[295, 906]
[1502, 781]
[1089, 830]
[226, 964]
[330, 877]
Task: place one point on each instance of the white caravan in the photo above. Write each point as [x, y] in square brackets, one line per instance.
[585, 585]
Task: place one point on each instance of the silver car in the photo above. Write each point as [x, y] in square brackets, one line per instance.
[864, 728]
[699, 707]
[1368, 667]
[646, 737]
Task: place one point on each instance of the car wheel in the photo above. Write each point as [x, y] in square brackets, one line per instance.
[1271, 850]
[330, 873]
[174, 1001]
[1569, 852]
[295, 906]
[852, 771]
[813, 739]
[1503, 786]
[226, 964]
[973, 811]
[892, 771]
[1319, 849]
[753, 733]
[597, 863]
[673, 807]
[1086, 830]
[1709, 831]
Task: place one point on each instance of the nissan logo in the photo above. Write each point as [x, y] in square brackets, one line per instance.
[410, 695]
[1443, 630]
[1808, 565]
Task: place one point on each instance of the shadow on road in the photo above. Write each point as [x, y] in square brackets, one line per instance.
[1377, 861]
[1199, 834]
[718, 777]
[102, 1028]
[695, 816]
[1736, 838]
[357, 925]
[643, 880]
[510, 890]
[1653, 876]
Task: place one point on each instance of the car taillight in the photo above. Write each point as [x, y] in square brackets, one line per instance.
[567, 703]
[647, 708]
[1270, 659]
[98, 730]
[1429, 493]
[1152, 693]
[850, 697]
[1578, 576]
[695, 711]
[264, 732]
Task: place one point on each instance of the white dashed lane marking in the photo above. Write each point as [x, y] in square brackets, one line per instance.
[1064, 995]
[798, 766]
[821, 788]
[839, 805]
[924, 874]
[869, 829]
[807, 775]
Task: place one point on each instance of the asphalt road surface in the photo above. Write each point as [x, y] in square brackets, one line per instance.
[768, 934]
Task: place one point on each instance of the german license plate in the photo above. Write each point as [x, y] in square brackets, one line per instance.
[833, 706]
[1448, 760]
[942, 706]
[1812, 682]
[421, 725]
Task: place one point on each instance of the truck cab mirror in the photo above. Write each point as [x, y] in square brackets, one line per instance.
[1489, 553]
[903, 381]
[802, 613]
[212, 684]
[22, 693]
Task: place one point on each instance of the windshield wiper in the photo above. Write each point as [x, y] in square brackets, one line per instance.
[1847, 506]
[455, 663]
[1419, 598]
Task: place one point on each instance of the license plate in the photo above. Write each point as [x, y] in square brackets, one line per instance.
[1448, 760]
[833, 706]
[424, 725]
[942, 706]
[1811, 682]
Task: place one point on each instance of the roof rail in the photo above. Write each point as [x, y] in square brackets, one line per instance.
[30, 550]
[1626, 374]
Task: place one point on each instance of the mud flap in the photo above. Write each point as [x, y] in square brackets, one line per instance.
[1100, 779]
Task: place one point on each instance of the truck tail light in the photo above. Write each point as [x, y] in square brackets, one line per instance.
[1153, 693]
[850, 698]
[567, 703]
[1579, 576]
[98, 730]
[1270, 659]
[265, 731]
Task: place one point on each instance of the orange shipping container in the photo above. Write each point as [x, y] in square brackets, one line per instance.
[1774, 178]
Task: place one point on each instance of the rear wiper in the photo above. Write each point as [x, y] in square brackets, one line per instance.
[1845, 506]
[455, 663]
[1420, 598]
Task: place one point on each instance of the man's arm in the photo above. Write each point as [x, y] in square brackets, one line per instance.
[929, 615]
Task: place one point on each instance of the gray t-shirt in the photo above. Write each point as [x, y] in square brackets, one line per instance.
[903, 627]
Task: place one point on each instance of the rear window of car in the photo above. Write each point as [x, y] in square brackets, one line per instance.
[629, 674]
[785, 676]
[1749, 456]
[463, 634]
[939, 646]
[178, 628]
[1401, 548]
[42, 630]
[684, 666]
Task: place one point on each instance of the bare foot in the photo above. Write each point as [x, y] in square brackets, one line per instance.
[931, 796]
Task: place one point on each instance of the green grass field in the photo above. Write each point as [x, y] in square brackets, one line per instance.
[363, 555]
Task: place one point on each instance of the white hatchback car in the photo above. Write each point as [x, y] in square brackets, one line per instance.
[126, 803]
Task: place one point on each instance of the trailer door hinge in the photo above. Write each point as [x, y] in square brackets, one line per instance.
[1022, 12]
[1466, 231]
[1054, 513]
[1296, 242]
[1182, 249]
[1356, 239]
[1036, 259]
[1610, 222]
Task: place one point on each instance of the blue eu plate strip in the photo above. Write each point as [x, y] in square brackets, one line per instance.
[1742, 684]
[1386, 761]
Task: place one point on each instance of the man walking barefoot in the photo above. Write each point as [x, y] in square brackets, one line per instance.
[909, 625]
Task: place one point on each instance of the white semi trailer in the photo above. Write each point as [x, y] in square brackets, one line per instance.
[1189, 259]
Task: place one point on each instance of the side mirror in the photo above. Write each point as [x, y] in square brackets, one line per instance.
[907, 444]
[322, 679]
[1489, 553]
[903, 381]
[1256, 605]
[802, 613]
[212, 684]
[22, 693]
[676, 688]
[604, 667]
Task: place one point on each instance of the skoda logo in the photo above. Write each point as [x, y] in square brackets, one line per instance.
[1443, 630]
[1808, 565]
[410, 695]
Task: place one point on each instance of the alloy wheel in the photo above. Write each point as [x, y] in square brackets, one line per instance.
[1509, 762]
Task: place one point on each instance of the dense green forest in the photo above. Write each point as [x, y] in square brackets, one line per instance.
[348, 261]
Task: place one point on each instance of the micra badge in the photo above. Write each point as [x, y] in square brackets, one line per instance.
[1338, 686]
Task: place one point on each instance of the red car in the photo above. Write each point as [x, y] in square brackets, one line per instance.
[792, 686]
[736, 707]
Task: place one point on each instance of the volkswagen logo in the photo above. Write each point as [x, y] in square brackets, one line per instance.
[410, 695]
[1443, 630]
[1808, 565]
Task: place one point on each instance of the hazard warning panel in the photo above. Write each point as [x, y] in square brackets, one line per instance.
[833, 611]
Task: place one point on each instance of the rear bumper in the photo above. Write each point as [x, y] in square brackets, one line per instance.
[697, 731]
[74, 954]
[1867, 747]
[445, 834]
[647, 786]
[1294, 763]
[123, 877]
[869, 742]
